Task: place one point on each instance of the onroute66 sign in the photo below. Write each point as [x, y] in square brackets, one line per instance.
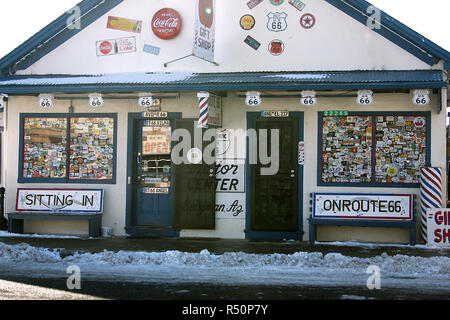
[421, 97]
[277, 21]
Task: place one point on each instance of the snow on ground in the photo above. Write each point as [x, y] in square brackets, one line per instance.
[300, 268]
[6, 234]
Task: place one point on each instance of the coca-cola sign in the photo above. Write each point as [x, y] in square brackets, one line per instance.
[166, 23]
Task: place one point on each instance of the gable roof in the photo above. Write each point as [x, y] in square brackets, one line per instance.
[53, 35]
[58, 32]
[395, 31]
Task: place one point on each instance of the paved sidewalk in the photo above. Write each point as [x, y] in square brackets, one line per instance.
[219, 246]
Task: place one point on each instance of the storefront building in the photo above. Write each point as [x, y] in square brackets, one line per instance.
[332, 101]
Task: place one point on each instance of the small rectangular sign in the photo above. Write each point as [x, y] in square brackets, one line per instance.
[157, 123]
[253, 3]
[156, 190]
[124, 24]
[252, 42]
[275, 114]
[297, 4]
[438, 227]
[59, 200]
[335, 113]
[154, 114]
[363, 206]
[215, 110]
[151, 49]
[116, 46]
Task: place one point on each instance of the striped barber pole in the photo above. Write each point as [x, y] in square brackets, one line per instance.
[430, 194]
[203, 100]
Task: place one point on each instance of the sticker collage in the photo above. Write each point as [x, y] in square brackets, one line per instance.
[276, 23]
[91, 148]
[348, 156]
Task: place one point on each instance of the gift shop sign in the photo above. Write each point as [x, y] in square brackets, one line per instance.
[204, 37]
[230, 189]
[438, 227]
[363, 206]
[60, 200]
[166, 23]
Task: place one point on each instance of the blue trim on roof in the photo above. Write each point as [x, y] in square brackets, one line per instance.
[163, 82]
[396, 32]
[53, 35]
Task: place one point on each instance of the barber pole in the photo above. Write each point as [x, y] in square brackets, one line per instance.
[203, 99]
[430, 194]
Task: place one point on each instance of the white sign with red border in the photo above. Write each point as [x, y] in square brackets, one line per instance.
[438, 227]
[60, 200]
[116, 46]
[363, 206]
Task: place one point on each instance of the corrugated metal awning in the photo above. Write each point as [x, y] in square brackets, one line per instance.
[186, 81]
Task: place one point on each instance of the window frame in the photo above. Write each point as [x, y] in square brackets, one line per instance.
[66, 179]
[373, 114]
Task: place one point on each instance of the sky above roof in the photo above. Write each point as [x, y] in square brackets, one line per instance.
[426, 17]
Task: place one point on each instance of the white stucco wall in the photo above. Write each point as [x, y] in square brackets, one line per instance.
[234, 118]
[336, 42]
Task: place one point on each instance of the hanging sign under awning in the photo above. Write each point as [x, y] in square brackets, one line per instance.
[204, 30]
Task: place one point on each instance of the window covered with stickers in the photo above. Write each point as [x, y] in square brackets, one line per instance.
[373, 148]
[78, 148]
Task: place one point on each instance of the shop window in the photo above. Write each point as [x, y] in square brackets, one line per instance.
[373, 149]
[61, 148]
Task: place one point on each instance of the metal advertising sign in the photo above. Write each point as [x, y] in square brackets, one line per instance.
[204, 37]
[215, 110]
[59, 200]
[363, 206]
[307, 21]
[438, 227]
[276, 2]
[297, 4]
[166, 23]
[276, 47]
[277, 21]
[247, 22]
[116, 46]
[253, 3]
[252, 42]
[124, 24]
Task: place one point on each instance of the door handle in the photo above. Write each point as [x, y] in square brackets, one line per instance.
[139, 158]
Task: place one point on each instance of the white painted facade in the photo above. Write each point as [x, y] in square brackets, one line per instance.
[336, 42]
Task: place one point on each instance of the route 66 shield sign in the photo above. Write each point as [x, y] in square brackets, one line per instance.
[277, 21]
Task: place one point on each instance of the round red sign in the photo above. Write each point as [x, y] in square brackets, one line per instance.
[166, 23]
[106, 47]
